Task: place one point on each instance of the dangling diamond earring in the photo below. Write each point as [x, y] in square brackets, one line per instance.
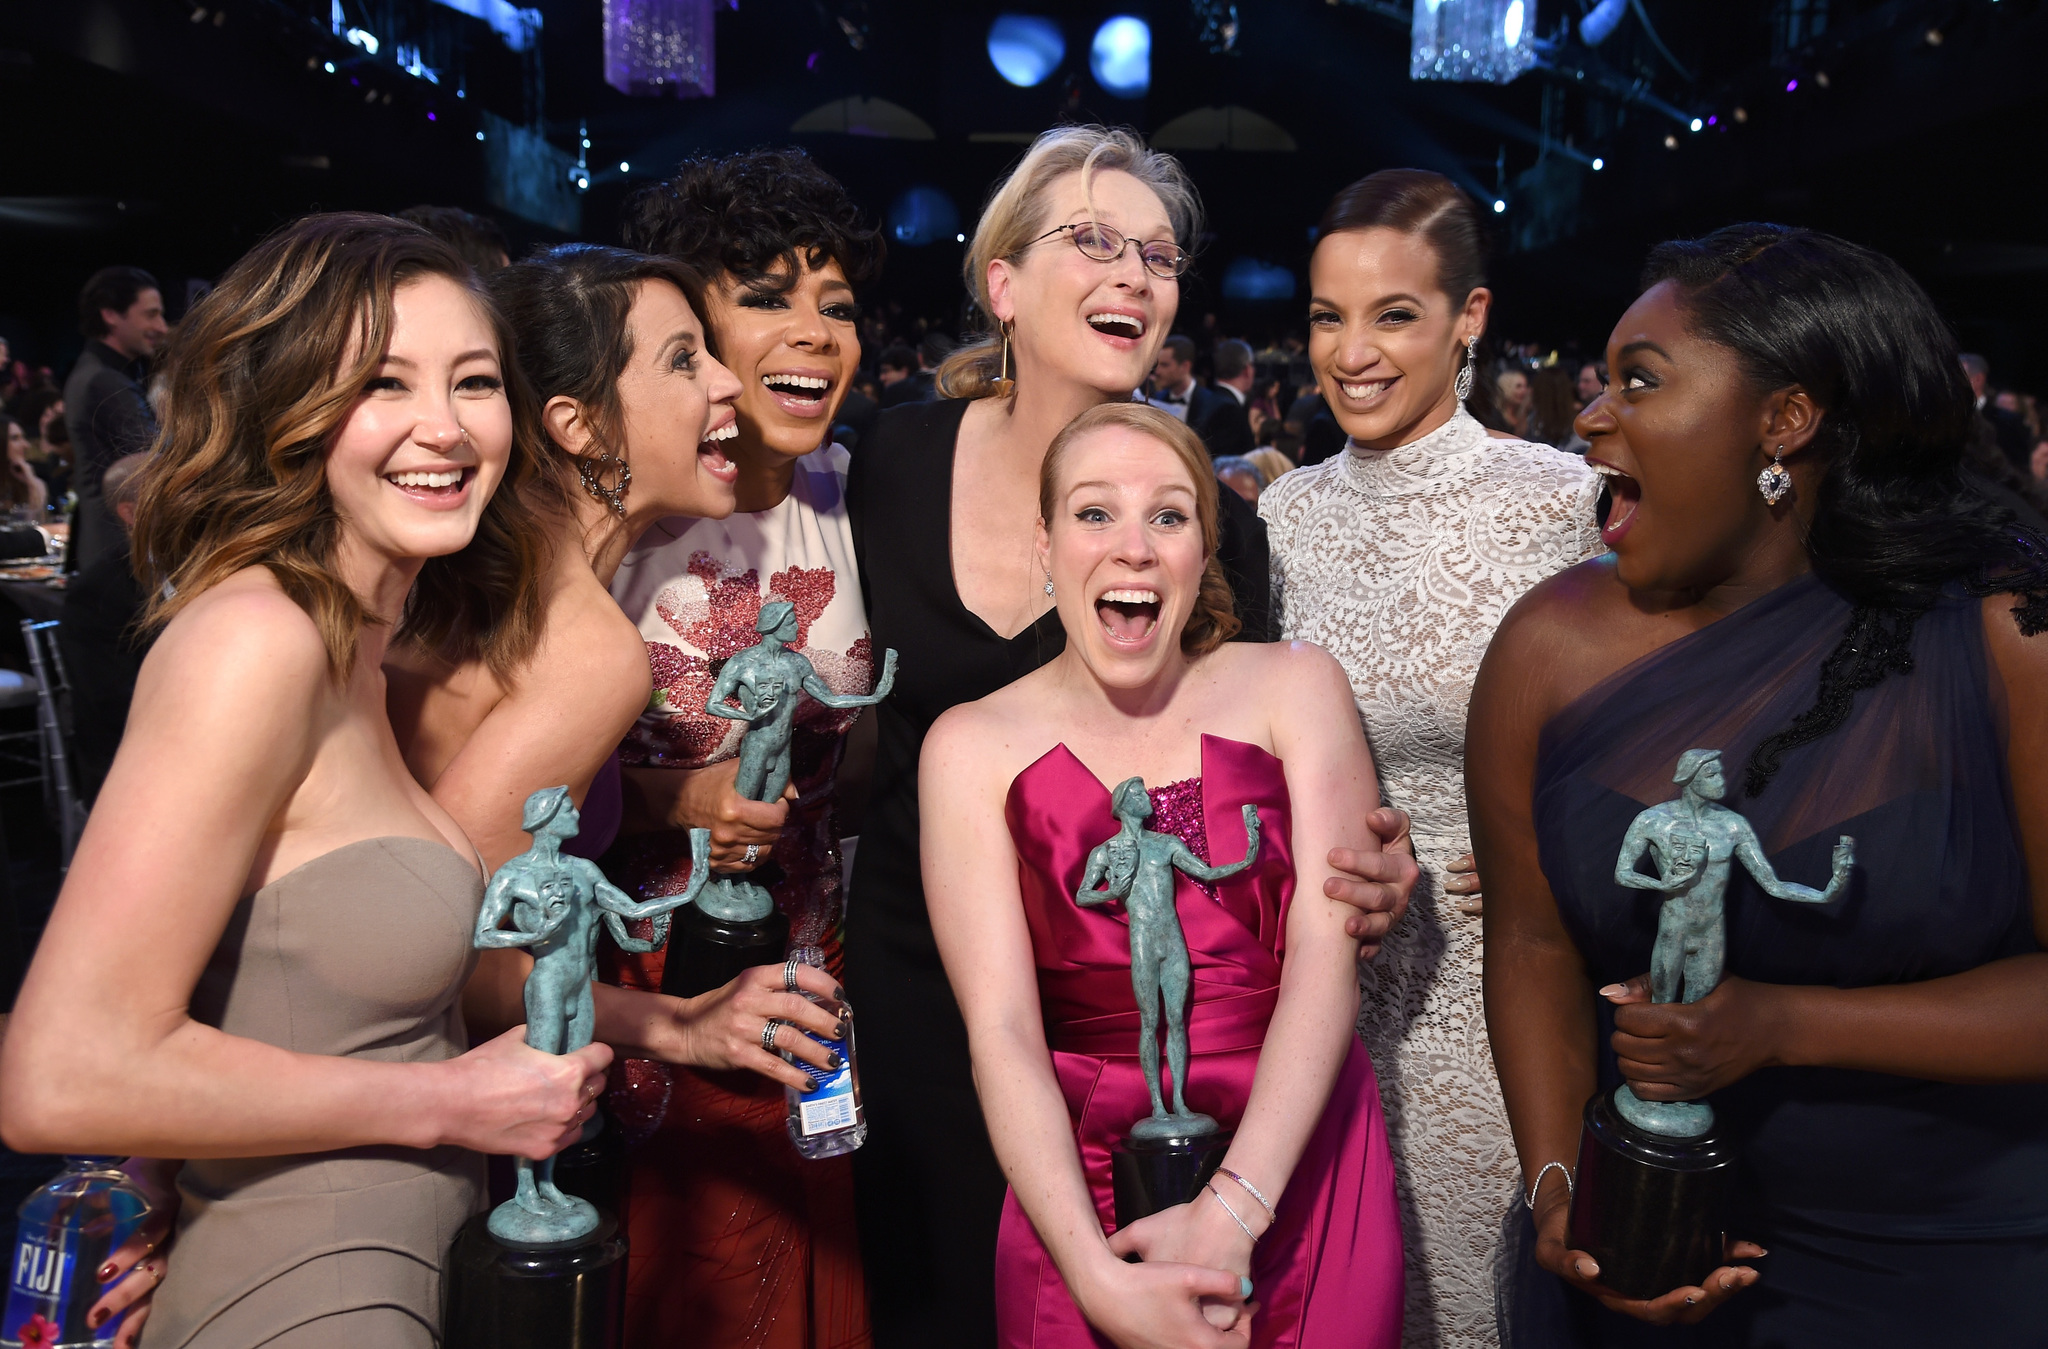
[1462, 386]
[1774, 481]
[592, 473]
[1005, 386]
[1048, 585]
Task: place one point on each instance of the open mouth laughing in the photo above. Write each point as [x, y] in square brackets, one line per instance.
[1128, 616]
[1118, 324]
[802, 393]
[709, 453]
[1620, 495]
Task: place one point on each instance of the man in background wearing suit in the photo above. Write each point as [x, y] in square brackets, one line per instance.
[1173, 377]
[1222, 418]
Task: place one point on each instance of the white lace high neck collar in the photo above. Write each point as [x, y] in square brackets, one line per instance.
[1449, 450]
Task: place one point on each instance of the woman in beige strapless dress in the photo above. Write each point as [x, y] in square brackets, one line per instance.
[257, 958]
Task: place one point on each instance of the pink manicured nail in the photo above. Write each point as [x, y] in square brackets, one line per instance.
[1614, 990]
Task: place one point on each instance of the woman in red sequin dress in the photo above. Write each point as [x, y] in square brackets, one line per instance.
[738, 1242]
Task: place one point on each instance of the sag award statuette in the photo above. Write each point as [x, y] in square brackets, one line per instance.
[1167, 1156]
[1651, 1197]
[734, 924]
[545, 1269]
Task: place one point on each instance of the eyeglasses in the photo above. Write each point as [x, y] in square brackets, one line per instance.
[1161, 258]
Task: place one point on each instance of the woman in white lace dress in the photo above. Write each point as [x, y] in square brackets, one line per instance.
[1400, 557]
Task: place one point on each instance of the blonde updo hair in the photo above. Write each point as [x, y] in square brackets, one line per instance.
[1016, 215]
[1213, 620]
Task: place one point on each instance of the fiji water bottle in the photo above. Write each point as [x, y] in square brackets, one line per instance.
[68, 1229]
[826, 1118]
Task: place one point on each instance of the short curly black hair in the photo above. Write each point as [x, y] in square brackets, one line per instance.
[753, 215]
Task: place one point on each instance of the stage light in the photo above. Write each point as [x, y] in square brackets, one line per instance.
[1121, 56]
[923, 215]
[1596, 26]
[1791, 86]
[1251, 279]
[1712, 120]
[959, 238]
[430, 117]
[1499, 207]
[1742, 114]
[1696, 124]
[479, 135]
[357, 37]
[1486, 41]
[657, 47]
[1599, 164]
[1671, 142]
[624, 167]
[329, 66]
[1025, 49]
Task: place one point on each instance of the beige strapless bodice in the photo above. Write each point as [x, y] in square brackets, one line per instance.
[361, 952]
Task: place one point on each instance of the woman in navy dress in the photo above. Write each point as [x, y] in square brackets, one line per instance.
[1861, 647]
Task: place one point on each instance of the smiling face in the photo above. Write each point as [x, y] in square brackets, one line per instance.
[678, 410]
[794, 351]
[1125, 553]
[1384, 339]
[1514, 390]
[1679, 439]
[1079, 321]
[426, 443]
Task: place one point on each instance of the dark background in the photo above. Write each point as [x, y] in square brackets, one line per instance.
[173, 133]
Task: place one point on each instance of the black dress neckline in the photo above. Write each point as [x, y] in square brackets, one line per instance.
[957, 407]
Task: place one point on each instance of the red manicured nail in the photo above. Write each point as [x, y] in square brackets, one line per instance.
[106, 1271]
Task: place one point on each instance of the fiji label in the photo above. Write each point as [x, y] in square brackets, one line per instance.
[44, 1311]
[827, 1106]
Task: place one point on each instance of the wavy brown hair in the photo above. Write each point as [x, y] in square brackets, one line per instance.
[261, 375]
[1213, 619]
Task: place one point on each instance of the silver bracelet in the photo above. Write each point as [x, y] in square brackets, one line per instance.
[1231, 1211]
[1253, 1191]
[1569, 1190]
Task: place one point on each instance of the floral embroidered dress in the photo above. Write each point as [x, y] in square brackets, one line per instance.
[736, 1241]
[1401, 563]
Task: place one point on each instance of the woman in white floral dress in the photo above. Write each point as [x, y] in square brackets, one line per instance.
[1400, 557]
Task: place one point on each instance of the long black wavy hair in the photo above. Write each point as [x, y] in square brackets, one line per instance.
[1895, 521]
[756, 216]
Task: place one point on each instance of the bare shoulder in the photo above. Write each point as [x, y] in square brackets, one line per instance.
[1574, 603]
[589, 652]
[1284, 670]
[246, 636]
[986, 743]
[2017, 649]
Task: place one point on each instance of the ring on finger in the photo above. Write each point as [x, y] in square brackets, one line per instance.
[752, 854]
[789, 984]
[768, 1033]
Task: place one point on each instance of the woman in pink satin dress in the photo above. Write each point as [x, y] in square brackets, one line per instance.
[1304, 1251]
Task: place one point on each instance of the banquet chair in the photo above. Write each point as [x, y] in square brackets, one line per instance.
[53, 726]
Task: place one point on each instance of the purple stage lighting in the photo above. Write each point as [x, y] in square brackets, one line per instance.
[659, 47]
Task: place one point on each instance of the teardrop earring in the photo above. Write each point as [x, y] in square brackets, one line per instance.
[1048, 585]
[1774, 481]
[1005, 386]
[1462, 386]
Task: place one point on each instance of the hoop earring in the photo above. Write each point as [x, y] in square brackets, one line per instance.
[1005, 386]
[1462, 386]
[1774, 481]
[591, 471]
